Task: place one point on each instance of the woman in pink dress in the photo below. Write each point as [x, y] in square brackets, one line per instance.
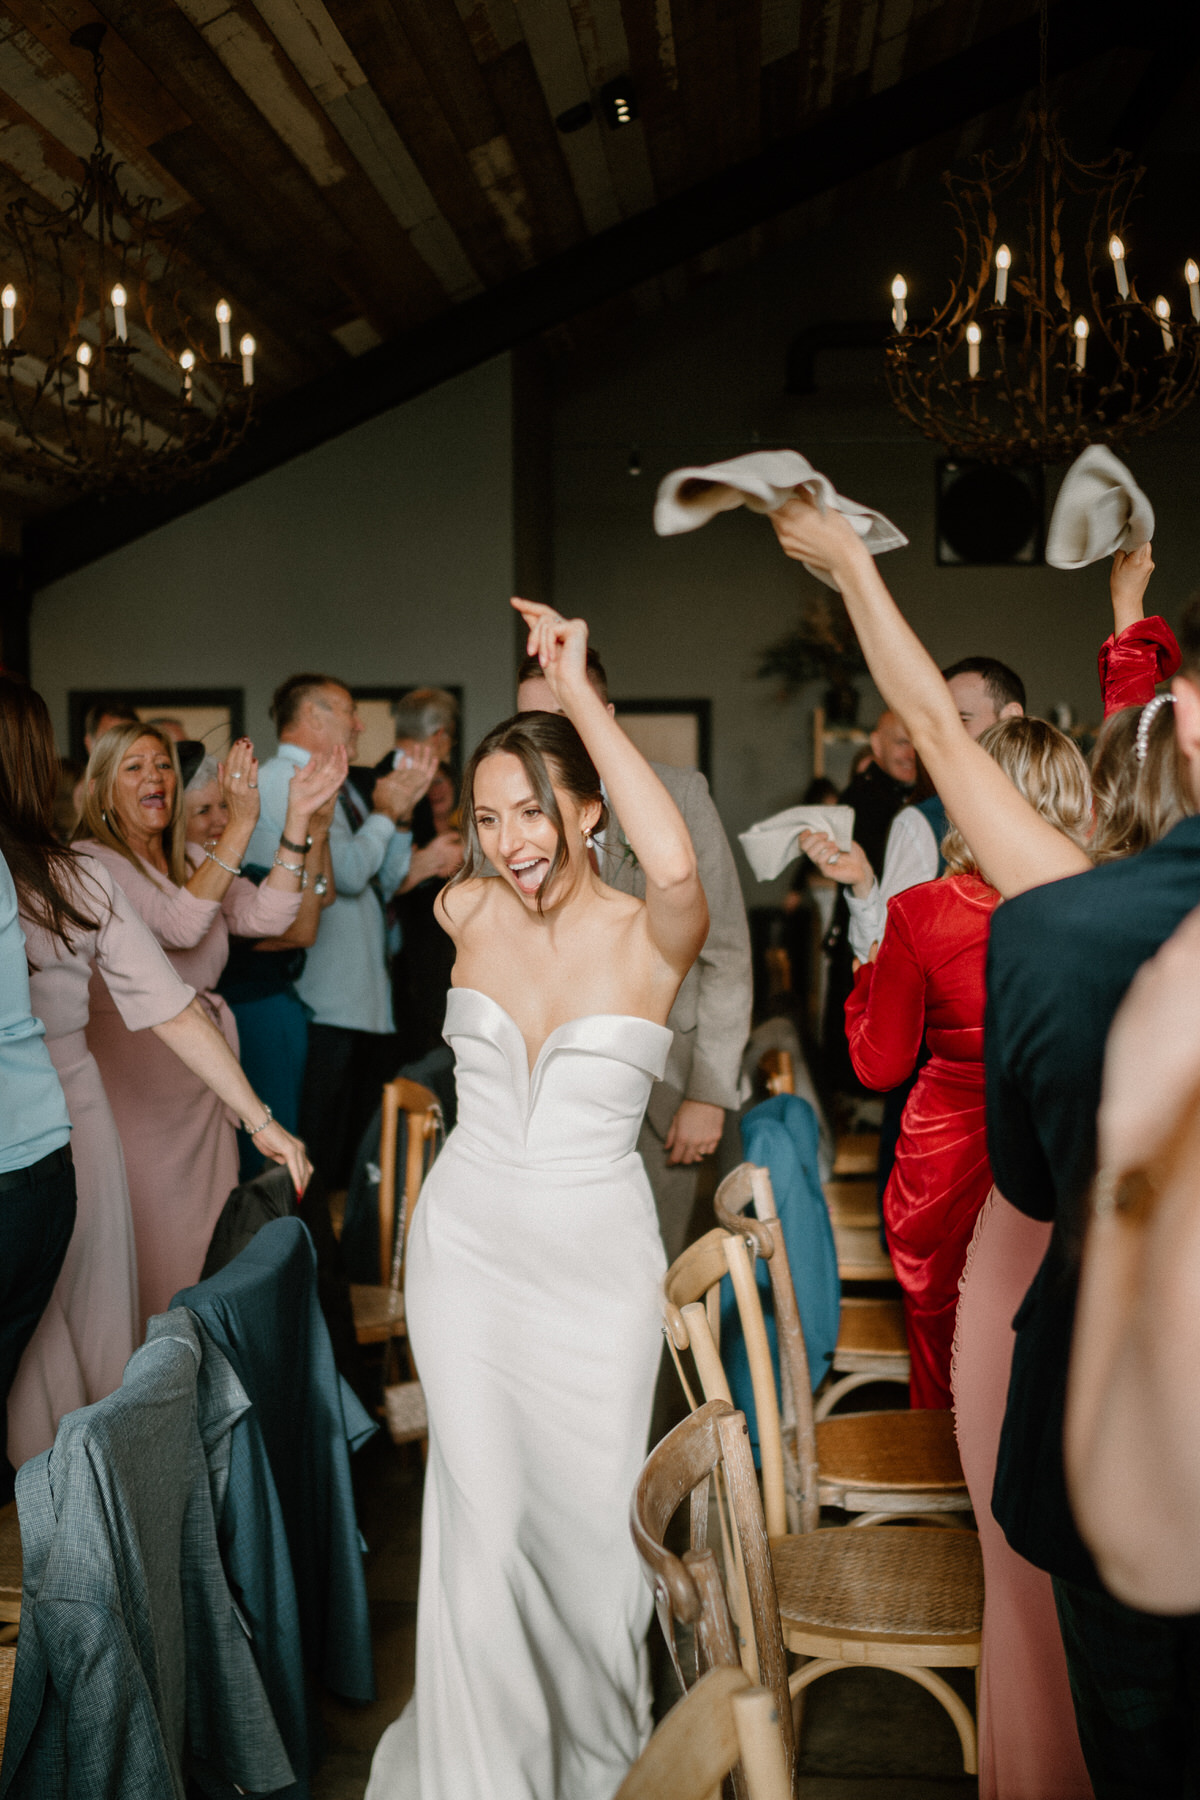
[179, 1140]
[90, 1328]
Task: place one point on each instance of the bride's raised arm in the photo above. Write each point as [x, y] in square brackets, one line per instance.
[1013, 845]
[677, 912]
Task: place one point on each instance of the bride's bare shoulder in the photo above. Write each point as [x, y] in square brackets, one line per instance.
[463, 903]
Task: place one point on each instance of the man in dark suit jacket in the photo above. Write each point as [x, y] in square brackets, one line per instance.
[1060, 960]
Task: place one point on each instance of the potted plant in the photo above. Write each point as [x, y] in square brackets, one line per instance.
[820, 647]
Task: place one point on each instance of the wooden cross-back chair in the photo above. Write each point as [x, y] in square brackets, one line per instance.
[725, 1720]
[872, 1344]
[897, 1597]
[711, 1446]
[877, 1465]
[10, 1607]
[379, 1307]
[778, 1071]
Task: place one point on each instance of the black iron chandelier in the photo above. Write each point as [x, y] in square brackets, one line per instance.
[108, 385]
[1015, 368]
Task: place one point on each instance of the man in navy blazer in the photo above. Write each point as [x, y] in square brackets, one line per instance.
[1060, 960]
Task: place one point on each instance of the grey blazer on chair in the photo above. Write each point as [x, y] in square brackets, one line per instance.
[711, 1014]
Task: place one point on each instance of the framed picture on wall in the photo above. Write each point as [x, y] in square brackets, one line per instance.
[375, 710]
[676, 732]
[214, 716]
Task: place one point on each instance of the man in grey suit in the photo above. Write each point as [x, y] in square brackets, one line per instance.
[711, 1014]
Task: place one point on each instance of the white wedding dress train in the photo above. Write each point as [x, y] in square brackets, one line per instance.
[534, 1311]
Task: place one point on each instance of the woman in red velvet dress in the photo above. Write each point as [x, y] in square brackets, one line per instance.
[927, 981]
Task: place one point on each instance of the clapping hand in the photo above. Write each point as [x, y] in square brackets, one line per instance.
[238, 778]
[314, 786]
[442, 857]
[397, 793]
[560, 646]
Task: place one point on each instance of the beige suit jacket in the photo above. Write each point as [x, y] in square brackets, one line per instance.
[711, 1015]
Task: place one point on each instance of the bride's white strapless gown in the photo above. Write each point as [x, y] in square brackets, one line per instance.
[533, 1304]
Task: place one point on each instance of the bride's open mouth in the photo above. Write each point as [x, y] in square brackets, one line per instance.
[529, 873]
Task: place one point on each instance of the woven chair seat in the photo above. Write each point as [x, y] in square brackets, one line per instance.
[889, 1451]
[378, 1313]
[860, 1255]
[857, 1153]
[869, 1330]
[10, 1565]
[894, 1584]
[853, 1203]
[8, 1663]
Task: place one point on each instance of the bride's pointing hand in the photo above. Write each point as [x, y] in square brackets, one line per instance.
[560, 646]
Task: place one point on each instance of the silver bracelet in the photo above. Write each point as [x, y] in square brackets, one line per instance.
[257, 1128]
[213, 857]
[293, 869]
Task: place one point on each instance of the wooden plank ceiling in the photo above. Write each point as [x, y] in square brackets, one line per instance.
[350, 172]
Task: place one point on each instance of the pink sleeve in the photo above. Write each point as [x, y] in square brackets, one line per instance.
[258, 912]
[1132, 665]
[178, 919]
[145, 988]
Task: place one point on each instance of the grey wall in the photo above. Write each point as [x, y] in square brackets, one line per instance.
[385, 557]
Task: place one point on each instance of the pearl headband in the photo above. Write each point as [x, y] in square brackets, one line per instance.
[1149, 711]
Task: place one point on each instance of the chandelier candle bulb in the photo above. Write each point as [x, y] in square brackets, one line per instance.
[974, 335]
[1162, 307]
[224, 314]
[83, 357]
[899, 296]
[187, 363]
[247, 348]
[1191, 275]
[1003, 264]
[8, 299]
[1116, 250]
[1081, 338]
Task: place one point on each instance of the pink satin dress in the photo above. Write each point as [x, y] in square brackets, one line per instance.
[179, 1140]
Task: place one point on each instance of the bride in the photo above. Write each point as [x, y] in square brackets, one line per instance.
[534, 1263]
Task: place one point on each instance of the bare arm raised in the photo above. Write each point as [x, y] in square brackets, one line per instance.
[1015, 848]
[677, 913]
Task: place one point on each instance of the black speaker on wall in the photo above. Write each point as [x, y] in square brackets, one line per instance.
[989, 515]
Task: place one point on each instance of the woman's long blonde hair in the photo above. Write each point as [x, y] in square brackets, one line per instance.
[99, 820]
[1137, 802]
[1045, 765]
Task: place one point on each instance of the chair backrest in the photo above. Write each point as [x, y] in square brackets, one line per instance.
[423, 1113]
[711, 1442]
[750, 1187]
[724, 1718]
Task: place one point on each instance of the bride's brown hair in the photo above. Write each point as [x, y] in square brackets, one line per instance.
[551, 752]
[44, 872]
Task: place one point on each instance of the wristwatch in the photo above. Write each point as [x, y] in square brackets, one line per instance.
[321, 886]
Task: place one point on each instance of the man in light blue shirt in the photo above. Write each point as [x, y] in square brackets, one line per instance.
[345, 979]
[37, 1178]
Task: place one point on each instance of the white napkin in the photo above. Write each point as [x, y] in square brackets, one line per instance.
[1100, 509]
[763, 481]
[771, 844]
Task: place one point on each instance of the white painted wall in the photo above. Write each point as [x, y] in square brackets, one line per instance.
[384, 557]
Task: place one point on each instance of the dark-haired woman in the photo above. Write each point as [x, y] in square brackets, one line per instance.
[179, 1141]
[76, 920]
[535, 1263]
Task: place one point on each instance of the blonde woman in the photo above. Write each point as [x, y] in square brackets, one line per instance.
[179, 1140]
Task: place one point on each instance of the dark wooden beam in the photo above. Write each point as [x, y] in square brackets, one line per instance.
[835, 149]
